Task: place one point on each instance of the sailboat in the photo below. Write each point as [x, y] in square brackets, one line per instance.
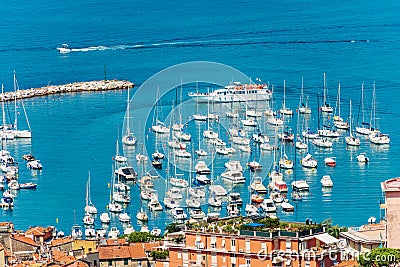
[20, 133]
[351, 140]
[198, 116]
[326, 108]
[89, 208]
[200, 152]
[363, 127]
[5, 132]
[128, 139]
[119, 158]
[303, 106]
[179, 133]
[210, 134]
[376, 136]
[285, 110]
[337, 119]
[113, 206]
[158, 126]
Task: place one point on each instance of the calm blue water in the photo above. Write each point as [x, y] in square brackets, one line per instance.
[274, 40]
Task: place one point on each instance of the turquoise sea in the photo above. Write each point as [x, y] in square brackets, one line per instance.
[352, 42]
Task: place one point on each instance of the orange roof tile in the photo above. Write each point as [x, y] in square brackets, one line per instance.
[36, 231]
[78, 264]
[61, 241]
[24, 239]
[114, 252]
[116, 242]
[150, 246]
[137, 251]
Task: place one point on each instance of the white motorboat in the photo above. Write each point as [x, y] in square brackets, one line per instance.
[246, 149]
[258, 186]
[363, 158]
[105, 218]
[233, 165]
[178, 182]
[202, 168]
[157, 155]
[113, 233]
[285, 162]
[176, 144]
[88, 219]
[171, 203]
[141, 158]
[249, 122]
[268, 205]
[142, 215]
[182, 153]
[235, 198]
[181, 135]
[275, 121]
[64, 49]
[287, 207]
[217, 142]
[210, 134]
[34, 165]
[328, 133]
[128, 229]
[199, 117]
[114, 207]
[76, 231]
[254, 166]
[217, 190]
[322, 142]
[326, 181]
[277, 184]
[253, 113]
[201, 153]
[124, 217]
[101, 233]
[197, 214]
[300, 185]
[203, 179]
[214, 202]
[121, 197]
[144, 229]
[197, 192]
[235, 177]
[192, 203]
[90, 233]
[260, 138]
[330, 161]
[267, 146]
[235, 92]
[160, 128]
[156, 231]
[126, 172]
[256, 198]
[13, 185]
[378, 138]
[232, 209]
[174, 193]
[308, 161]
[251, 210]
[310, 134]
[179, 214]
[154, 205]
[240, 140]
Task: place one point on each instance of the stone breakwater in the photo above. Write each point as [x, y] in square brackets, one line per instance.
[92, 86]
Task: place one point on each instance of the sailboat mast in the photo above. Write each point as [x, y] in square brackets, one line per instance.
[339, 100]
[362, 102]
[15, 103]
[128, 130]
[284, 94]
[2, 106]
[324, 88]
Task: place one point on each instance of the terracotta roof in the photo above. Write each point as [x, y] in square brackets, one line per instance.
[133, 251]
[37, 231]
[78, 264]
[150, 246]
[24, 239]
[117, 242]
[61, 241]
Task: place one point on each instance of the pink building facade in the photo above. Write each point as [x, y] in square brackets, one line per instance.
[391, 190]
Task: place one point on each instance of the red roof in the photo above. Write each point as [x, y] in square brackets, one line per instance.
[61, 241]
[133, 251]
[24, 239]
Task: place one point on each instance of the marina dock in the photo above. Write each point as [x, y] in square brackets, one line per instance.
[91, 86]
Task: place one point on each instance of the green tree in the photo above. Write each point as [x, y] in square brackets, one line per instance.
[380, 257]
[139, 237]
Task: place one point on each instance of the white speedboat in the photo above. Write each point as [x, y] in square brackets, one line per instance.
[254, 166]
[249, 122]
[126, 172]
[192, 203]
[326, 181]
[178, 182]
[232, 209]
[14, 185]
[235, 198]
[64, 49]
[309, 162]
[156, 231]
[300, 185]
[268, 205]
[363, 158]
[202, 168]
[88, 219]
[113, 233]
[179, 214]
[174, 193]
[142, 216]
[214, 202]
[182, 153]
[105, 218]
[203, 179]
[34, 165]
[330, 161]
[328, 133]
[210, 134]
[90, 233]
[235, 177]
[197, 192]
[124, 217]
[114, 207]
[201, 153]
[197, 214]
[158, 155]
[171, 203]
[128, 229]
[76, 231]
[199, 117]
[287, 207]
[154, 205]
[258, 186]
[275, 121]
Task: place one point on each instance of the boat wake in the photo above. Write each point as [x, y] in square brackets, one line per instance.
[215, 42]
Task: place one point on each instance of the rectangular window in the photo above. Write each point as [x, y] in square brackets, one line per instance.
[179, 255]
[307, 264]
[213, 259]
[233, 243]
[248, 262]
[223, 242]
[125, 261]
[110, 262]
[223, 259]
[247, 245]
